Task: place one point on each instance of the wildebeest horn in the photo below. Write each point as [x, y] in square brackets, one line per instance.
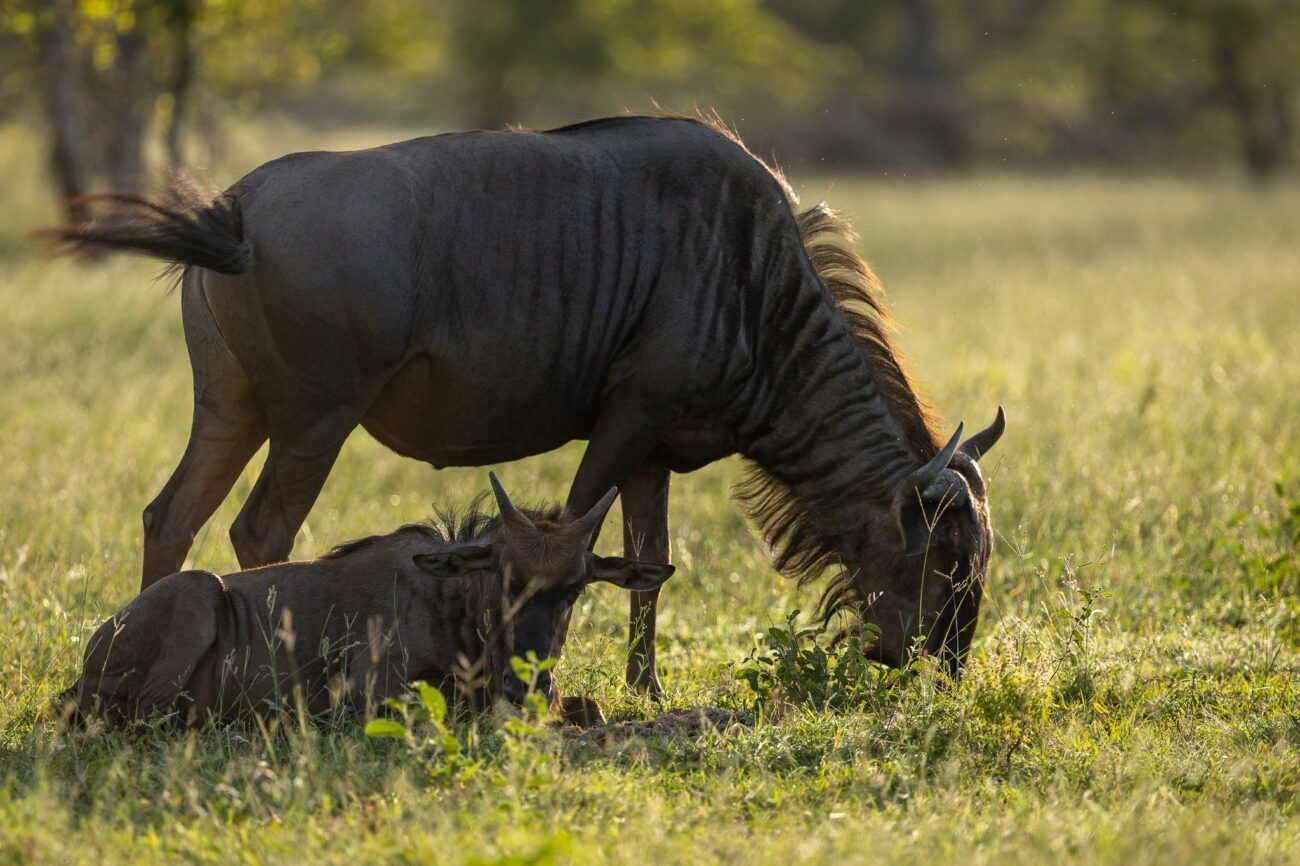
[978, 445]
[594, 517]
[504, 505]
[921, 478]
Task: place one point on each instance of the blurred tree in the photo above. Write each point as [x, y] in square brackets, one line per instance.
[916, 64]
[98, 79]
[508, 49]
[889, 82]
[110, 72]
[510, 52]
[1248, 49]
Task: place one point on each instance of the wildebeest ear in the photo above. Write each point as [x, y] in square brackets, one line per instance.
[629, 573]
[913, 527]
[917, 511]
[456, 561]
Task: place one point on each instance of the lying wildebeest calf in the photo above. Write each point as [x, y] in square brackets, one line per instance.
[357, 625]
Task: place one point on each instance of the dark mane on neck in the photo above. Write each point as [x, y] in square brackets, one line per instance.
[473, 522]
[828, 239]
[803, 546]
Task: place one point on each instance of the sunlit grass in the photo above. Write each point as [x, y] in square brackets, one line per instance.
[1141, 333]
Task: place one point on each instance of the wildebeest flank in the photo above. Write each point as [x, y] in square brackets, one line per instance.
[445, 602]
[641, 282]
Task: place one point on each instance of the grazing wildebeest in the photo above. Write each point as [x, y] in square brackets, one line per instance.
[644, 283]
[438, 601]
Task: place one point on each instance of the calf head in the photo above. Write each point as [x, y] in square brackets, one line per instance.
[542, 567]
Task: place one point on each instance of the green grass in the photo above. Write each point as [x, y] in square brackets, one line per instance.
[1141, 332]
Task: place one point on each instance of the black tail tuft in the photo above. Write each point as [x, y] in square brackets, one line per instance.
[209, 235]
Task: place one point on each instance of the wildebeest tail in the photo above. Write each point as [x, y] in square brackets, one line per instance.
[186, 232]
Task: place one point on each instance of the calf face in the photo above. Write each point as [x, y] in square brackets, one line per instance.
[542, 567]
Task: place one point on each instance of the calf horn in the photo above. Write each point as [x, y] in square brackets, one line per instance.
[978, 445]
[505, 506]
[921, 478]
[592, 519]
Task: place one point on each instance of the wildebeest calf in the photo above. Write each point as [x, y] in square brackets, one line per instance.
[433, 601]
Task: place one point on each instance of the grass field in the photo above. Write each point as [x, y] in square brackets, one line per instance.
[1134, 695]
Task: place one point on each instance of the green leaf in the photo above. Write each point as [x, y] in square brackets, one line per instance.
[385, 728]
[432, 699]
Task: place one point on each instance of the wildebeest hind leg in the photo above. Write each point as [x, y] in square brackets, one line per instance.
[297, 464]
[645, 537]
[227, 430]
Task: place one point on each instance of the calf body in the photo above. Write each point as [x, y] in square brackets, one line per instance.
[347, 631]
[449, 603]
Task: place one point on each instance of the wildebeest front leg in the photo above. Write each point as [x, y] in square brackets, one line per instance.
[618, 453]
[645, 537]
[297, 464]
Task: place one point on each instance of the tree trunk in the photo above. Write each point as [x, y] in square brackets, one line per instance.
[1265, 126]
[62, 98]
[492, 100]
[182, 79]
[126, 103]
[925, 108]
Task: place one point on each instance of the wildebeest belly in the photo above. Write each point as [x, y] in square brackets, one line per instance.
[690, 445]
[455, 415]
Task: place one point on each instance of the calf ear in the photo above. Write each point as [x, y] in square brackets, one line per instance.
[629, 573]
[456, 561]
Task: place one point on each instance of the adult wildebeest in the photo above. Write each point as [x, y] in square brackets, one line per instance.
[641, 282]
[448, 600]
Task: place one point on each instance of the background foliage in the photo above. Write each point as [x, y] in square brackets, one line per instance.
[893, 84]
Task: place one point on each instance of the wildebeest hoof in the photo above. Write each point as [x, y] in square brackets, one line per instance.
[646, 683]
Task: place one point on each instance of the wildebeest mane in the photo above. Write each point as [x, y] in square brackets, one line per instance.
[802, 548]
[828, 240]
[450, 525]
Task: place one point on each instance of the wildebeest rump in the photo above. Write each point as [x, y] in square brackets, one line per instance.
[641, 282]
[449, 602]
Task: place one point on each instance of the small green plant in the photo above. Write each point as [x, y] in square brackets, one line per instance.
[420, 721]
[525, 734]
[1079, 610]
[423, 727]
[535, 708]
[1268, 552]
[793, 666]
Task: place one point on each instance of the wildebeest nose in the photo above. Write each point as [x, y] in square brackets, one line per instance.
[515, 689]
